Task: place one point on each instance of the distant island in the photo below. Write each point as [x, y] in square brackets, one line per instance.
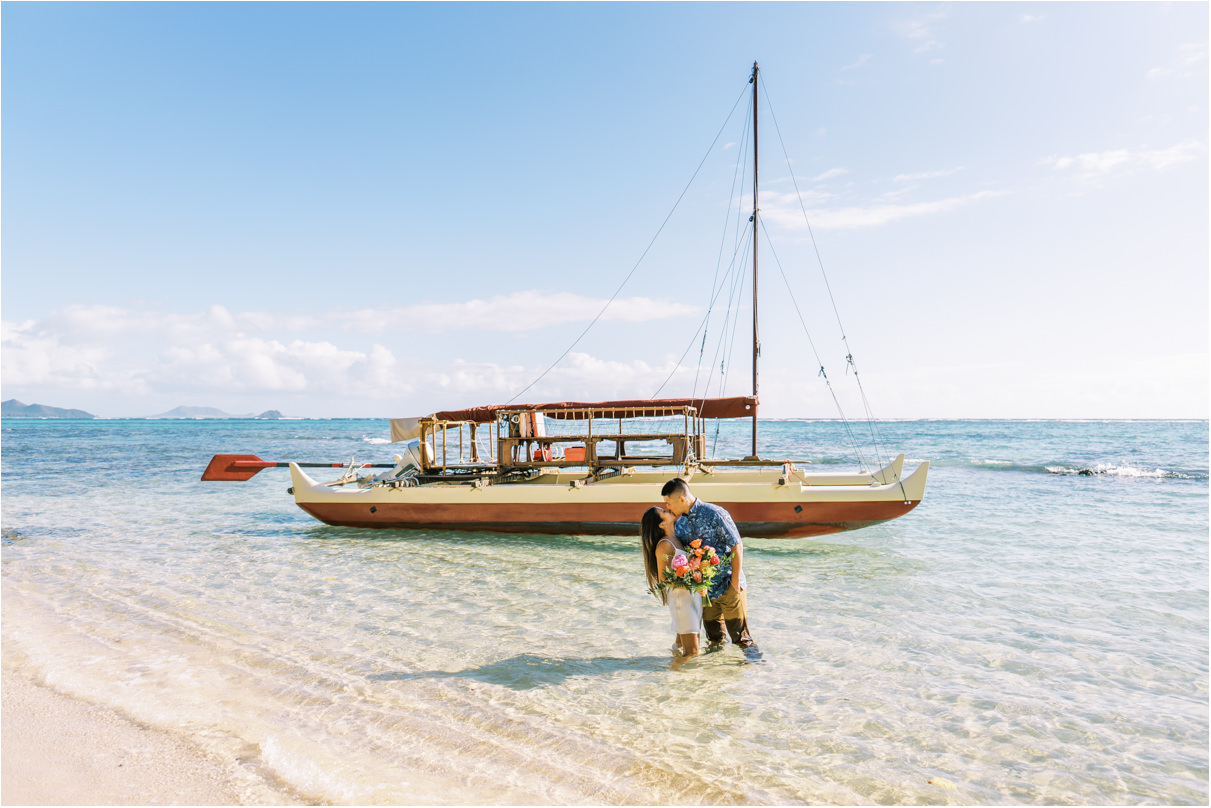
[212, 412]
[15, 409]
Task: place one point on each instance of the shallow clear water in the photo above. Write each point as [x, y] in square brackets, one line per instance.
[1031, 633]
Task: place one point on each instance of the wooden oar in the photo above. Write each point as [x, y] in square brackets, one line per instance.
[243, 467]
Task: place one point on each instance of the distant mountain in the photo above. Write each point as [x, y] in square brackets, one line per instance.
[213, 412]
[15, 409]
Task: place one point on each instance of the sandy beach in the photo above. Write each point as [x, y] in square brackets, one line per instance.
[61, 751]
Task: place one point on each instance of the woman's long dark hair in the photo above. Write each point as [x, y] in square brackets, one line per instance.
[650, 535]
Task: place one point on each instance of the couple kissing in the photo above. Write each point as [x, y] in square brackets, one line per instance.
[694, 561]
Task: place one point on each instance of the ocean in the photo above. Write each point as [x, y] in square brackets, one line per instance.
[1035, 632]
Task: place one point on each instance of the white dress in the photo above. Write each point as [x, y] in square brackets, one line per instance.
[685, 608]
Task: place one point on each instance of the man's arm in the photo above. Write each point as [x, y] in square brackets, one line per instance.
[737, 561]
[728, 529]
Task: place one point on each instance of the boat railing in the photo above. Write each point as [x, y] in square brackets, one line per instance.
[599, 438]
[577, 438]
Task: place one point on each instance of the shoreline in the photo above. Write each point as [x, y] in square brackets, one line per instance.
[59, 750]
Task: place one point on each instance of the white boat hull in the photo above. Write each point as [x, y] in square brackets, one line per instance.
[764, 502]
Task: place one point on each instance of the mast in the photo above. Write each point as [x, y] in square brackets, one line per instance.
[756, 339]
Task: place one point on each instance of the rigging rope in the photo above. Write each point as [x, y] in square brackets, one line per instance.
[725, 345]
[811, 342]
[725, 365]
[641, 257]
[716, 286]
[700, 329]
[849, 356]
[736, 174]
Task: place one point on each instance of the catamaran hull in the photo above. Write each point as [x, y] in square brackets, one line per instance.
[761, 510]
[619, 520]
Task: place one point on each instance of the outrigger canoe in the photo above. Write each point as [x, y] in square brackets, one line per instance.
[592, 478]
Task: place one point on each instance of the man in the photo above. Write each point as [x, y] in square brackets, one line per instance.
[702, 520]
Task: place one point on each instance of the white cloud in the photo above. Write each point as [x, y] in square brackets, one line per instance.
[35, 356]
[863, 59]
[1101, 162]
[921, 31]
[927, 175]
[96, 322]
[887, 196]
[828, 175]
[1029, 18]
[1162, 159]
[1078, 386]
[580, 376]
[144, 354]
[519, 311]
[242, 373]
[1182, 65]
[1092, 165]
[268, 365]
[874, 215]
[84, 349]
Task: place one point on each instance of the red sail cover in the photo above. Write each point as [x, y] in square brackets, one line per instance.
[738, 407]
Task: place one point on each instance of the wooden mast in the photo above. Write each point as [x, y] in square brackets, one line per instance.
[756, 339]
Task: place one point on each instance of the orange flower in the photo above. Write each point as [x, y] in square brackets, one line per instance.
[696, 543]
[698, 553]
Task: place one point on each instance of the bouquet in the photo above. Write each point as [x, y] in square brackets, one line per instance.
[693, 571]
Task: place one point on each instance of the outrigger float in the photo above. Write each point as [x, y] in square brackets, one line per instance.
[590, 468]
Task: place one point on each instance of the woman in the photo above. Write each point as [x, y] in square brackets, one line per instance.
[660, 545]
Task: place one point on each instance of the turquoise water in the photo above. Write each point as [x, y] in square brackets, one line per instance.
[1035, 632]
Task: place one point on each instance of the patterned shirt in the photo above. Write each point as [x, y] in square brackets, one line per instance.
[715, 527]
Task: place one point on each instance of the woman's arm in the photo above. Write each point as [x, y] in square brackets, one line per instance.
[664, 554]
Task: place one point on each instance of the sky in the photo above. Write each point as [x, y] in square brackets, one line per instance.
[999, 210]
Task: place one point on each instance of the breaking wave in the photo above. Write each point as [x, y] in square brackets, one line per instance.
[1108, 470]
[1076, 469]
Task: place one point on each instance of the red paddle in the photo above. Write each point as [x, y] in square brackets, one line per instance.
[243, 467]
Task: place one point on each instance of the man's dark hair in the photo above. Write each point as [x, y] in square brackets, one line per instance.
[676, 486]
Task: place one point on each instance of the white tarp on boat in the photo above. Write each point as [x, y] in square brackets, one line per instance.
[404, 429]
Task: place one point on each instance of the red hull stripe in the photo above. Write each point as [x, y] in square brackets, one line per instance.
[761, 520]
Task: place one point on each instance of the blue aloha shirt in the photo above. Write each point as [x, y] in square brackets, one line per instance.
[715, 527]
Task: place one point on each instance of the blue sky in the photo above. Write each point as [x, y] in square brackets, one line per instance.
[387, 209]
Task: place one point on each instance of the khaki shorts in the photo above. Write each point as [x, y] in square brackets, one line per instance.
[727, 611]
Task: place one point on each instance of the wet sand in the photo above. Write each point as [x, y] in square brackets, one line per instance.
[61, 751]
